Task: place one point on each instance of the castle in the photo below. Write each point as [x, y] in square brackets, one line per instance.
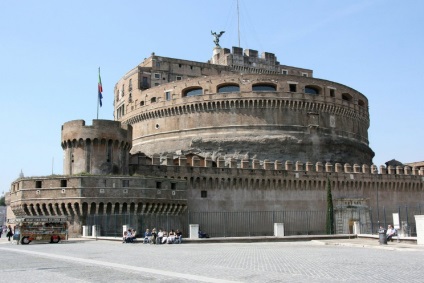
[238, 134]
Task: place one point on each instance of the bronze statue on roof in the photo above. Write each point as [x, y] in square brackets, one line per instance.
[217, 36]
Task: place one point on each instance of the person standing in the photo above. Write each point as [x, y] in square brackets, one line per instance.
[9, 232]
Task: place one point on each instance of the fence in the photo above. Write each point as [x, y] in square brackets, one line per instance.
[383, 216]
[261, 223]
[216, 224]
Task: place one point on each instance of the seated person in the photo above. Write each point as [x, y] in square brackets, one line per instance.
[178, 236]
[165, 237]
[171, 237]
[160, 237]
[147, 236]
[132, 236]
[154, 236]
[129, 236]
[124, 238]
[390, 233]
[203, 235]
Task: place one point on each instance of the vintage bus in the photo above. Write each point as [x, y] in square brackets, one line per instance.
[51, 229]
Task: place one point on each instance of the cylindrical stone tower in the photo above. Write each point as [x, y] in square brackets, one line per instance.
[100, 149]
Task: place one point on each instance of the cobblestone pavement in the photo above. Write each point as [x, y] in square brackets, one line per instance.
[316, 261]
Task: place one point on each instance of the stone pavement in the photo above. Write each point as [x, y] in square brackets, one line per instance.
[83, 260]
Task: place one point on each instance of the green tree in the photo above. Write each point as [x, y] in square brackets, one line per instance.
[330, 210]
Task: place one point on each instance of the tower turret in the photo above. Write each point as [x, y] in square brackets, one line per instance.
[100, 149]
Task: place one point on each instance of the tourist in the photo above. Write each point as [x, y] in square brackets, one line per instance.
[147, 236]
[178, 236]
[390, 233]
[154, 236]
[160, 237]
[171, 237]
[9, 232]
[165, 237]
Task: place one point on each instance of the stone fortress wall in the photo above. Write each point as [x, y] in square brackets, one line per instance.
[273, 185]
[77, 197]
[330, 123]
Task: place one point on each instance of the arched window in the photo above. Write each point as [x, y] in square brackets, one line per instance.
[141, 103]
[313, 90]
[264, 87]
[347, 96]
[361, 103]
[228, 88]
[192, 91]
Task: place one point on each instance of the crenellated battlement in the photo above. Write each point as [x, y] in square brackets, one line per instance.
[277, 165]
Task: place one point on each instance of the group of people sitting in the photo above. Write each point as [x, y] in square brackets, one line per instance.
[129, 236]
[162, 237]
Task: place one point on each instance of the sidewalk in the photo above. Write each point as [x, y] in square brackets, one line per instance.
[349, 240]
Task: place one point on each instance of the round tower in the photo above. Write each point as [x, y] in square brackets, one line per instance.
[100, 149]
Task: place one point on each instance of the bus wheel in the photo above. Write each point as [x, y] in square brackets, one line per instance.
[25, 241]
[55, 239]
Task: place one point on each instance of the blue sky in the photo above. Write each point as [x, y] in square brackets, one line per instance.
[50, 52]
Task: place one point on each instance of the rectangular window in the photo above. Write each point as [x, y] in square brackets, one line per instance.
[285, 72]
[203, 194]
[38, 184]
[332, 92]
[125, 183]
[158, 185]
[157, 76]
[144, 83]
[168, 95]
[304, 74]
[63, 183]
[173, 186]
[292, 87]
[179, 78]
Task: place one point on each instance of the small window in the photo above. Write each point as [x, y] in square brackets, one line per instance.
[63, 183]
[141, 103]
[263, 87]
[193, 92]
[179, 78]
[153, 100]
[179, 65]
[361, 103]
[332, 92]
[311, 90]
[203, 194]
[285, 72]
[157, 76]
[38, 184]
[157, 63]
[125, 183]
[168, 95]
[158, 185]
[173, 186]
[346, 96]
[156, 84]
[293, 87]
[228, 88]
[304, 74]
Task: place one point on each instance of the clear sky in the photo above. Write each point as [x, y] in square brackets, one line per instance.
[50, 52]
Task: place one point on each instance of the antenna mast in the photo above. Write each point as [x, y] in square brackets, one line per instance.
[238, 23]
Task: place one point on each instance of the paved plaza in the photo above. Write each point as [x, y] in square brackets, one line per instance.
[79, 260]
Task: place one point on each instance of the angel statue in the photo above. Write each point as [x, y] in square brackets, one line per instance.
[217, 36]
